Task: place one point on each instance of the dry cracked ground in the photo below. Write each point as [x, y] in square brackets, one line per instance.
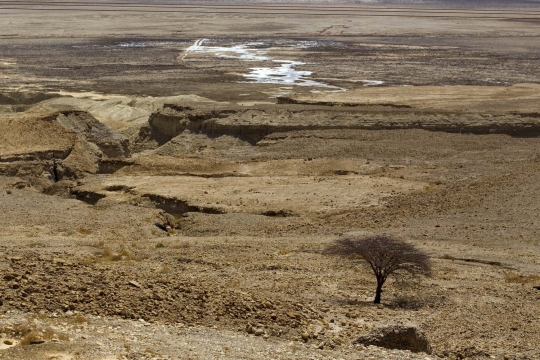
[107, 128]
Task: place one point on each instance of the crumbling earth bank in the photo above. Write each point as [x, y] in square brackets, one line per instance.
[254, 196]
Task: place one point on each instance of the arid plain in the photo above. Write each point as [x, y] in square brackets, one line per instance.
[261, 133]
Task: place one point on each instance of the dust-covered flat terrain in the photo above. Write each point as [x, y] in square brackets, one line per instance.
[261, 132]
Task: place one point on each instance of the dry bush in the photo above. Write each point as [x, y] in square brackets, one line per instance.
[21, 329]
[48, 334]
[165, 269]
[29, 338]
[114, 253]
[83, 231]
[109, 254]
[63, 337]
[181, 245]
[78, 319]
[88, 260]
[136, 245]
[29, 332]
[283, 252]
[106, 252]
[35, 244]
[516, 278]
[98, 244]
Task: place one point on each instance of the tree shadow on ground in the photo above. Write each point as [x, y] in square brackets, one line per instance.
[348, 301]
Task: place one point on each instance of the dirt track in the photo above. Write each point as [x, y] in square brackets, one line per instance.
[107, 128]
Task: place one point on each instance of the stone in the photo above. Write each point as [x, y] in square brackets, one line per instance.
[293, 315]
[8, 342]
[305, 336]
[59, 261]
[259, 332]
[134, 283]
[399, 337]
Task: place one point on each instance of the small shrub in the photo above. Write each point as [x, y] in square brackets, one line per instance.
[283, 252]
[115, 257]
[21, 329]
[181, 245]
[164, 269]
[84, 231]
[160, 245]
[88, 260]
[522, 279]
[78, 319]
[29, 338]
[35, 244]
[106, 252]
[48, 334]
[63, 337]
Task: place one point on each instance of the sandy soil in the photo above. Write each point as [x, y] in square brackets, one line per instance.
[113, 117]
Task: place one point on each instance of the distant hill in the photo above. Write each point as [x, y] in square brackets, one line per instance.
[459, 3]
[462, 4]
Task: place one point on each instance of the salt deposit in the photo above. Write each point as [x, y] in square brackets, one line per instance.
[284, 74]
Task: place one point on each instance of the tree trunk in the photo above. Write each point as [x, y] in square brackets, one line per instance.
[378, 292]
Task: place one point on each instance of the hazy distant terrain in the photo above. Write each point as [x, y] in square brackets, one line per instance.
[417, 3]
[431, 3]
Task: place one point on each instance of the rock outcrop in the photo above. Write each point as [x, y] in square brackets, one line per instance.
[400, 337]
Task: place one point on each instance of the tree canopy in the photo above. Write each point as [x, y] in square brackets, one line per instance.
[385, 256]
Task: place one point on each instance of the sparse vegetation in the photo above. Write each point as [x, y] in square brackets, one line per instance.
[181, 245]
[48, 334]
[521, 279]
[78, 319]
[30, 338]
[385, 256]
[83, 231]
[112, 252]
[35, 244]
[165, 269]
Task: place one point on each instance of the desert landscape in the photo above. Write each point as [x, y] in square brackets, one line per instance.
[260, 133]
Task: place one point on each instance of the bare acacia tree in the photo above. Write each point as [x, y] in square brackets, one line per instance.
[385, 255]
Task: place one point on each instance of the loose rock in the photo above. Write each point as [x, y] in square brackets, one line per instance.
[400, 337]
